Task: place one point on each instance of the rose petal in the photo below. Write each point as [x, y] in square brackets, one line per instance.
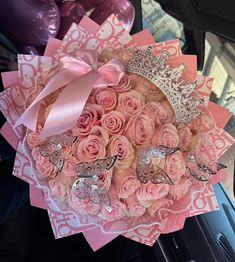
[140, 130]
[91, 148]
[113, 122]
[130, 103]
[149, 193]
[89, 117]
[120, 146]
[125, 182]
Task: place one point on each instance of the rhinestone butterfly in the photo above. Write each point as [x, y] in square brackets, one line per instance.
[90, 169]
[146, 171]
[88, 184]
[152, 173]
[202, 171]
[53, 148]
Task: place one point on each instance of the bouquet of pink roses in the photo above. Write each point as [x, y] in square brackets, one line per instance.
[115, 133]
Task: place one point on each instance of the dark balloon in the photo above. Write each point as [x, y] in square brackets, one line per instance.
[30, 22]
[97, 2]
[70, 12]
[30, 50]
[89, 4]
[86, 4]
[122, 8]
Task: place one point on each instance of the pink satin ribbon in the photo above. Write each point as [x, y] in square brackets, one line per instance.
[79, 76]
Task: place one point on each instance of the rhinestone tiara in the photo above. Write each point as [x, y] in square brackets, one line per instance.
[169, 81]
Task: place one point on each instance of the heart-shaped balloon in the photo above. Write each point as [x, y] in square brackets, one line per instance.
[123, 9]
[30, 22]
[70, 12]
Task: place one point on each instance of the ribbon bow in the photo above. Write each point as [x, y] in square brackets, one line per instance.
[79, 76]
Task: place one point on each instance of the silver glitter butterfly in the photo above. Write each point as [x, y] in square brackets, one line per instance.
[90, 169]
[145, 155]
[53, 148]
[146, 171]
[88, 184]
[202, 171]
[210, 171]
[152, 173]
[90, 188]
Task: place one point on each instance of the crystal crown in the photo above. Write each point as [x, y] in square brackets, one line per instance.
[169, 81]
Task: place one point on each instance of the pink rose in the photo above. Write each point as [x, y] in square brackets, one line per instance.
[166, 136]
[185, 136]
[106, 98]
[106, 55]
[59, 187]
[100, 131]
[33, 138]
[126, 183]
[69, 166]
[157, 112]
[140, 130]
[90, 116]
[181, 189]
[204, 151]
[149, 90]
[43, 165]
[207, 123]
[134, 208]
[170, 112]
[118, 209]
[124, 85]
[155, 209]
[92, 97]
[155, 138]
[83, 206]
[120, 146]
[130, 103]
[113, 122]
[175, 166]
[70, 180]
[125, 56]
[91, 148]
[202, 123]
[105, 178]
[149, 193]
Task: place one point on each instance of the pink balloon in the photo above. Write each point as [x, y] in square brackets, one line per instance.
[70, 12]
[122, 8]
[30, 22]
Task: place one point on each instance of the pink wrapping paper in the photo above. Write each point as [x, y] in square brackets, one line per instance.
[109, 33]
[36, 196]
[97, 239]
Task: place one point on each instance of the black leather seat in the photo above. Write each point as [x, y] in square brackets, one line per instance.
[27, 236]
